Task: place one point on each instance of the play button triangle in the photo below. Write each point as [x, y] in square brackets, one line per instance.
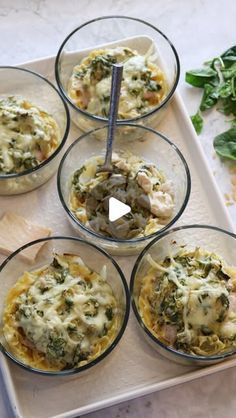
[117, 209]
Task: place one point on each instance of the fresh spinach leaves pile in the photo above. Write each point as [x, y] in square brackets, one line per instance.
[218, 80]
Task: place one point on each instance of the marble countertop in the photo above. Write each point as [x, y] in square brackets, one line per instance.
[199, 29]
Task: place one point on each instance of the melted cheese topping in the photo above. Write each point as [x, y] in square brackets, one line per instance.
[61, 316]
[136, 183]
[142, 89]
[28, 135]
[188, 301]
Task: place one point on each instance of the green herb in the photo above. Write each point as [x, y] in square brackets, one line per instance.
[153, 86]
[197, 122]
[205, 330]
[91, 308]
[77, 175]
[230, 71]
[26, 311]
[218, 80]
[55, 263]
[226, 89]
[208, 99]
[44, 289]
[199, 77]
[228, 107]
[61, 275]
[101, 66]
[104, 331]
[109, 313]
[222, 275]
[79, 355]
[56, 347]
[224, 300]
[134, 91]
[225, 144]
[71, 328]
[69, 303]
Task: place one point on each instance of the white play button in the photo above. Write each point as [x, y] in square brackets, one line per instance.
[117, 209]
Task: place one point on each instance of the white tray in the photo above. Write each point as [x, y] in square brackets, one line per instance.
[133, 369]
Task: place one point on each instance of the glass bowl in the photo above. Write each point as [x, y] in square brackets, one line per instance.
[209, 238]
[113, 31]
[95, 258]
[39, 91]
[152, 147]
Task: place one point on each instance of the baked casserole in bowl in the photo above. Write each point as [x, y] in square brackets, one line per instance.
[150, 178]
[150, 75]
[65, 312]
[183, 290]
[34, 125]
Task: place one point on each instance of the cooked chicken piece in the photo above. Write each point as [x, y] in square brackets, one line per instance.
[144, 181]
[169, 333]
[167, 187]
[122, 165]
[161, 204]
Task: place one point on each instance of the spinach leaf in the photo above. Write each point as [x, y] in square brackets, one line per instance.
[230, 71]
[209, 97]
[226, 89]
[225, 144]
[218, 79]
[197, 122]
[199, 77]
[228, 106]
[233, 122]
[229, 56]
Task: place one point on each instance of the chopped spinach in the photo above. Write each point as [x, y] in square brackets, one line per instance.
[77, 174]
[55, 263]
[79, 355]
[153, 86]
[101, 66]
[56, 347]
[61, 275]
[224, 300]
[206, 330]
[222, 275]
[109, 313]
[91, 308]
[69, 303]
[25, 311]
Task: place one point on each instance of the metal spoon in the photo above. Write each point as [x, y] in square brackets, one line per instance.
[117, 71]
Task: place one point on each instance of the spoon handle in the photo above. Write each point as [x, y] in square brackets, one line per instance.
[117, 71]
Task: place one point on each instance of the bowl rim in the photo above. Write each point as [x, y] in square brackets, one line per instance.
[119, 334]
[100, 118]
[176, 353]
[116, 240]
[67, 127]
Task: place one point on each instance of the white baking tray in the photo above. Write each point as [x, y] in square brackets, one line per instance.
[133, 369]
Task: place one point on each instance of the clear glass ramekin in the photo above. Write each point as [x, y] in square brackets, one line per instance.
[113, 31]
[16, 81]
[211, 239]
[95, 258]
[152, 147]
